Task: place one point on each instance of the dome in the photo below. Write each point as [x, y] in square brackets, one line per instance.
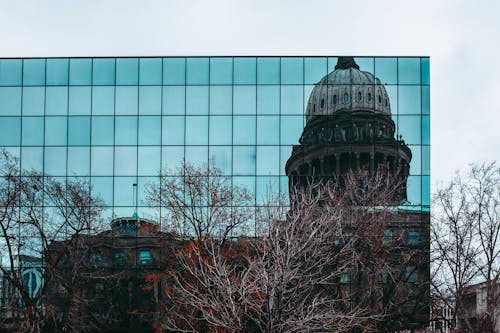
[347, 88]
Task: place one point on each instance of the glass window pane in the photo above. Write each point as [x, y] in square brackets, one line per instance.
[426, 160]
[221, 130]
[426, 100]
[34, 72]
[10, 101]
[57, 72]
[413, 190]
[55, 131]
[197, 130]
[32, 158]
[285, 153]
[55, 161]
[32, 131]
[103, 130]
[426, 190]
[80, 100]
[416, 160]
[268, 70]
[197, 71]
[221, 99]
[409, 127]
[244, 130]
[150, 100]
[127, 71]
[331, 63]
[268, 130]
[314, 70]
[221, 70]
[79, 131]
[102, 161]
[56, 101]
[221, 157]
[409, 100]
[103, 73]
[150, 71]
[174, 100]
[292, 100]
[245, 70]
[103, 100]
[33, 101]
[149, 130]
[124, 191]
[244, 100]
[245, 182]
[125, 161]
[426, 130]
[174, 70]
[149, 161]
[386, 70]
[268, 160]
[268, 99]
[292, 70]
[197, 100]
[366, 64]
[197, 155]
[126, 100]
[424, 67]
[80, 72]
[173, 130]
[102, 187]
[267, 187]
[409, 70]
[244, 160]
[392, 92]
[79, 161]
[10, 131]
[171, 158]
[11, 72]
[291, 129]
[126, 130]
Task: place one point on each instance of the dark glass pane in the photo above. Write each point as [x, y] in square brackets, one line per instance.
[55, 131]
[221, 157]
[292, 100]
[196, 130]
[244, 100]
[32, 131]
[103, 72]
[55, 161]
[197, 71]
[268, 160]
[197, 100]
[57, 72]
[174, 100]
[314, 70]
[126, 130]
[268, 130]
[80, 99]
[103, 100]
[174, 71]
[386, 70]
[56, 102]
[10, 101]
[221, 99]
[221, 130]
[221, 70]
[102, 161]
[10, 131]
[127, 71]
[126, 100]
[173, 130]
[268, 99]
[150, 130]
[125, 161]
[79, 131]
[409, 70]
[292, 70]
[244, 160]
[79, 161]
[424, 67]
[244, 130]
[149, 161]
[34, 72]
[103, 130]
[245, 70]
[268, 70]
[34, 101]
[11, 72]
[150, 71]
[150, 100]
[80, 72]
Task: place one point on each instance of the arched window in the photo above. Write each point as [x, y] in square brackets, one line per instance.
[359, 96]
[386, 102]
[379, 99]
[314, 108]
[334, 99]
[322, 103]
[346, 98]
[369, 97]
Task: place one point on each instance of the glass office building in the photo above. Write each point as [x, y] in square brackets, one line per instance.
[118, 121]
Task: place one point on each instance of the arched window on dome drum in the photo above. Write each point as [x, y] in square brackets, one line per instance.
[369, 97]
[346, 98]
[322, 103]
[314, 108]
[334, 99]
[386, 102]
[359, 96]
[379, 99]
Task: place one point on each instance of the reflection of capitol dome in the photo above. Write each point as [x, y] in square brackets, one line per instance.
[347, 89]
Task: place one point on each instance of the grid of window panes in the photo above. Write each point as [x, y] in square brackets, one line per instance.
[119, 121]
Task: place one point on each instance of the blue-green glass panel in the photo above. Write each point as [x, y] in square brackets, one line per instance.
[79, 161]
[245, 70]
[424, 68]
[103, 130]
[102, 161]
[314, 70]
[331, 63]
[268, 130]
[197, 71]
[196, 130]
[124, 191]
[221, 130]
[413, 190]
[149, 161]
[127, 71]
[103, 72]
[392, 92]
[174, 71]
[409, 128]
[125, 161]
[173, 130]
[409, 70]
[10, 101]
[172, 158]
[33, 101]
[268, 99]
[197, 100]
[266, 188]
[268, 71]
[55, 131]
[126, 100]
[386, 70]
[197, 155]
[247, 183]
[103, 100]
[55, 161]
[426, 130]
[150, 130]
[125, 130]
[16, 153]
[284, 189]
[426, 100]
[292, 70]
[10, 131]
[32, 159]
[80, 72]
[268, 160]
[32, 131]
[244, 160]
[11, 71]
[79, 131]
[150, 71]
[80, 100]
[426, 160]
[244, 130]
[34, 72]
[292, 100]
[57, 72]
[56, 101]
[426, 190]
[291, 129]
[221, 100]
[174, 100]
[221, 70]
[221, 157]
[366, 64]
[416, 160]
[102, 187]
[409, 100]
[285, 153]
[142, 185]
[150, 100]
[244, 100]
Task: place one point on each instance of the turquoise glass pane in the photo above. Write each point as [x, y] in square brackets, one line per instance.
[292, 100]
[197, 155]
[173, 130]
[268, 160]
[416, 160]
[79, 130]
[126, 100]
[123, 192]
[10, 131]
[221, 70]
[33, 101]
[102, 161]
[221, 100]
[424, 67]
[11, 71]
[268, 99]
[414, 190]
[55, 131]
[79, 161]
[426, 190]
[366, 64]
[244, 100]
[247, 183]
[268, 70]
[80, 72]
[126, 130]
[268, 130]
[409, 100]
[291, 129]
[10, 101]
[103, 130]
[221, 130]
[409, 70]
[174, 71]
[409, 128]
[125, 161]
[244, 160]
[102, 187]
[32, 159]
[221, 157]
[150, 71]
[292, 70]
[244, 132]
[331, 63]
[103, 73]
[314, 70]
[285, 153]
[103, 100]
[392, 92]
[34, 72]
[80, 100]
[56, 102]
[196, 130]
[197, 71]
[149, 161]
[386, 70]
[57, 72]
[55, 161]
[426, 130]
[245, 70]
[33, 131]
[174, 100]
[197, 100]
[426, 160]
[150, 130]
[150, 100]
[172, 157]
[127, 71]
[266, 187]
[426, 100]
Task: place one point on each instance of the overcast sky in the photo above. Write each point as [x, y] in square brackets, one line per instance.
[462, 37]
